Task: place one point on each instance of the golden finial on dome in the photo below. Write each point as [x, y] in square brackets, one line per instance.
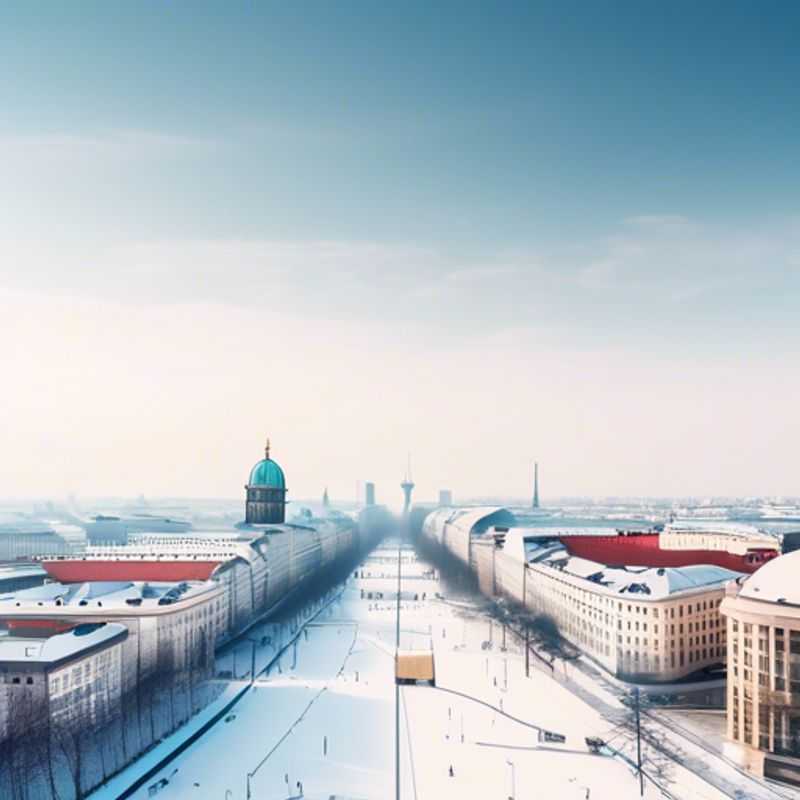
[266, 449]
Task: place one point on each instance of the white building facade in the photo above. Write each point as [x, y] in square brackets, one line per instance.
[762, 613]
[641, 624]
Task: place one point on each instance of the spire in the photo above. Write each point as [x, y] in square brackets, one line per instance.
[535, 484]
[325, 499]
[266, 449]
[408, 469]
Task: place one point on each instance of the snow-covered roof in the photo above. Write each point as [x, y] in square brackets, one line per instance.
[582, 531]
[645, 583]
[775, 582]
[60, 647]
[9, 572]
[103, 594]
[736, 529]
[471, 519]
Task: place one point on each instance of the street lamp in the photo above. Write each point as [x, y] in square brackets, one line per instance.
[253, 643]
[513, 794]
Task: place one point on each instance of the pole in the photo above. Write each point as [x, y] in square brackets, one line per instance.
[249, 795]
[253, 663]
[639, 744]
[527, 653]
[396, 684]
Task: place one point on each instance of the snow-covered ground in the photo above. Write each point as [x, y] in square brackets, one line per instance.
[322, 722]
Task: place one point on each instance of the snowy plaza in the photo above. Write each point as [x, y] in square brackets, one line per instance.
[320, 723]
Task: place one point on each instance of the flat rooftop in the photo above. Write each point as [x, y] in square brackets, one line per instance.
[643, 583]
[51, 650]
[23, 570]
[102, 594]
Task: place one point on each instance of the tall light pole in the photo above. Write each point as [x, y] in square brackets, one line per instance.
[253, 643]
[396, 684]
[513, 794]
[639, 744]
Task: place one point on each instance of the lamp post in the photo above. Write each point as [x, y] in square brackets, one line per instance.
[396, 684]
[253, 643]
[513, 794]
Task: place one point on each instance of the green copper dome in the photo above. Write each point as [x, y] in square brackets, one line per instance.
[267, 473]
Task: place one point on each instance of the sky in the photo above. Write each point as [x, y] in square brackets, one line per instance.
[481, 233]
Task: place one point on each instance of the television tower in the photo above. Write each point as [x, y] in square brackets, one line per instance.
[407, 485]
[535, 503]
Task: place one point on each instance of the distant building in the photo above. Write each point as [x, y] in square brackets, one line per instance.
[326, 502]
[763, 704]
[369, 493]
[266, 493]
[535, 503]
[407, 486]
[24, 542]
[105, 529]
[66, 679]
[109, 529]
[445, 497]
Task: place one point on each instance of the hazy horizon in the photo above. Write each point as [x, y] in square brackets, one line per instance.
[364, 231]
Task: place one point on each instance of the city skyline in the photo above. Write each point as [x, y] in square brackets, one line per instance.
[487, 238]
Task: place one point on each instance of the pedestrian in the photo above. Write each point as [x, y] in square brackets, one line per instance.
[452, 774]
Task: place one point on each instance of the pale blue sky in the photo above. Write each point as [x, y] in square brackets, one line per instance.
[589, 200]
